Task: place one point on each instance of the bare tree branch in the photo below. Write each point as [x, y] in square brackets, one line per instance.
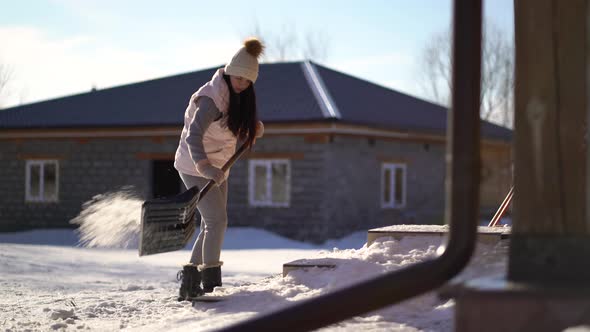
[435, 63]
[284, 44]
[497, 80]
[287, 45]
[316, 46]
[5, 77]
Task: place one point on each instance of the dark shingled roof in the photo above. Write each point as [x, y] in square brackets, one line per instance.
[363, 102]
[286, 92]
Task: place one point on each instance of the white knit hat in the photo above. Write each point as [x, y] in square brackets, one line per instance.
[245, 62]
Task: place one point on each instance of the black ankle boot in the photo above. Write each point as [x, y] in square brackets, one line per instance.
[190, 286]
[211, 278]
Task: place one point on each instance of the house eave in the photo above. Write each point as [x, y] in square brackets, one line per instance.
[271, 129]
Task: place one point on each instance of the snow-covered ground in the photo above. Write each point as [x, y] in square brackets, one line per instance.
[48, 283]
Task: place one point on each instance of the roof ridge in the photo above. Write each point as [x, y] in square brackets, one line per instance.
[320, 92]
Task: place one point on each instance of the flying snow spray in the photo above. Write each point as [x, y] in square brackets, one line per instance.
[110, 220]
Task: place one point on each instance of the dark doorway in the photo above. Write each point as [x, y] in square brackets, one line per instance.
[165, 179]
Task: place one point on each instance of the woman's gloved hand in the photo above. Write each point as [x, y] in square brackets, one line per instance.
[211, 172]
[259, 129]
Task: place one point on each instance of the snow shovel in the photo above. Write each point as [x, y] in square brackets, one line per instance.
[167, 223]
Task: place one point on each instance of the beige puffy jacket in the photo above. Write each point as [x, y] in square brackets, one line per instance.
[219, 143]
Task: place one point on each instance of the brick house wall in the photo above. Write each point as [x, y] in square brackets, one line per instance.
[335, 181]
[304, 219]
[356, 180]
[87, 167]
[336, 186]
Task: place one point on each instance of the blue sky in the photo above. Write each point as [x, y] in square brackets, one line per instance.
[61, 47]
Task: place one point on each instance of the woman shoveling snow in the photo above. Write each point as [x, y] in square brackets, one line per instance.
[219, 114]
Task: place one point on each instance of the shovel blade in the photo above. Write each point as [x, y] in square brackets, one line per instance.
[168, 224]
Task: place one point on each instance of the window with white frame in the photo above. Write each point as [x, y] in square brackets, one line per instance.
[269, 182]
[393, 185]
[42, 181]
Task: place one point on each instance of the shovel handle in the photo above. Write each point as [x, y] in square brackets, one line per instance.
[224, 168]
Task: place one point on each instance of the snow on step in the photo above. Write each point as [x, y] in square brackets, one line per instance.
[484, 234]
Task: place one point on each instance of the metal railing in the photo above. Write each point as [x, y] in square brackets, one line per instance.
[502, 209]
[461, 211]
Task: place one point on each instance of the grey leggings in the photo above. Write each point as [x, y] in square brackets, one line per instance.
[213, 209]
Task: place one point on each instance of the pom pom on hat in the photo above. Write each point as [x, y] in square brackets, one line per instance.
[245, 62]
[254, 47]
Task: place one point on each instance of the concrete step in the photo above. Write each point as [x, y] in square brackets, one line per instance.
[485, 234]
[306, 264]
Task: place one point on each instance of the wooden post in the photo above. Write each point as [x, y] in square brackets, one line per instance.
[551, 231]
[547, 287]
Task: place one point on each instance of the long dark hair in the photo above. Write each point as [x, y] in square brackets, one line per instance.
[241, 117]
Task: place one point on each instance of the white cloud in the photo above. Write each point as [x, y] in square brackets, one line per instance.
[46, 67]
